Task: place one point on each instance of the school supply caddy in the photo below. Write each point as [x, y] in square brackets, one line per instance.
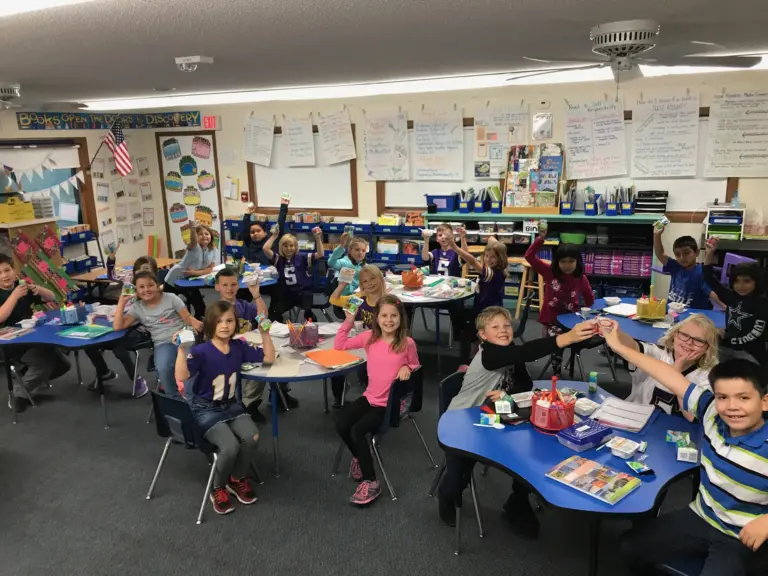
[552, 410]
[333, 359]
[304, 335]
[596, 480]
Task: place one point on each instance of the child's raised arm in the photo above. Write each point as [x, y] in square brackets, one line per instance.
[190, 320]
[532, 257]
[319, 248]
[426, 255]
[267, 249]
[338, 252]
[121, 320]
[181, 368]
[336, 298]
[658, 246]
[464, 252]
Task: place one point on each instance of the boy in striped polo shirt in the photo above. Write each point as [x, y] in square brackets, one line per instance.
[728, 521]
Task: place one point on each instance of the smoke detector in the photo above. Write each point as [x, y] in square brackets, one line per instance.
[190, 63]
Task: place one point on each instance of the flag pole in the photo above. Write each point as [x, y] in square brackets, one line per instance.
[88, 169]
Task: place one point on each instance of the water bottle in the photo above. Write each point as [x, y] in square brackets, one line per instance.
[592, 382]
[735, 199]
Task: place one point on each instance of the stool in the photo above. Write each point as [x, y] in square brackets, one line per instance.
[526, 284]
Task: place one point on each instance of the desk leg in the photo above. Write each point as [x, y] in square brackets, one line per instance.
[594, 535]
[100, 385]
[9, 379]
[325, 394]
[437, 337]
[273, 403]
[77, 365]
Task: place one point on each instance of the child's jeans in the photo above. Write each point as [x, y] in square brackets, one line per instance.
[165, 364]
[37, 366]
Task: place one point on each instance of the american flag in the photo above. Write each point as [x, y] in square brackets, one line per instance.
[115, 141]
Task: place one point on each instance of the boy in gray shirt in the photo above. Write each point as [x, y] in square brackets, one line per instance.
[498, 369]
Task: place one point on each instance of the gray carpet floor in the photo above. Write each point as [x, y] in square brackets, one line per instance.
[73, 497]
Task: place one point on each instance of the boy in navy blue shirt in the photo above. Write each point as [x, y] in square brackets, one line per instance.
[727, 523]
[687, 283]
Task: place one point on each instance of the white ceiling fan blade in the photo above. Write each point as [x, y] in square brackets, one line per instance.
[554, 70]
[567, 63]
[705, 61]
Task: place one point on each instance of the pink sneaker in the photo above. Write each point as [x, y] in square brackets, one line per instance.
[354, 470]
[367, 491]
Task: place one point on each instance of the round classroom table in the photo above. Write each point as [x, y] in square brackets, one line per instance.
[437, 304]
[307, 371]
[48, 335]
[640, 331]
[525, 453]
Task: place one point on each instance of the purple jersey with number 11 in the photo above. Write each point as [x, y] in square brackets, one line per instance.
[294, 272]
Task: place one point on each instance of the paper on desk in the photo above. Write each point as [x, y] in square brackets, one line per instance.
[253, 337]
[278, 330]
[284, 367]
[622, 310]
[329, 329]
[624, 415]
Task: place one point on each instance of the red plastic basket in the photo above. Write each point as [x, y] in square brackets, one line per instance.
[551, 418]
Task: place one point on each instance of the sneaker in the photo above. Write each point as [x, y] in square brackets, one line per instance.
[94, 386]
[221, 501]
[521, 517]
[253, 411]
[447, 510]
[367, 491]
[140, 387]
[354, 470]
[241, 489]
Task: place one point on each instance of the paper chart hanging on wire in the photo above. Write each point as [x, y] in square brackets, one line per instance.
[439, 146]
[385, 141]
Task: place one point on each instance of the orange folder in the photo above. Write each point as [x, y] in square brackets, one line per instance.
[333, 359]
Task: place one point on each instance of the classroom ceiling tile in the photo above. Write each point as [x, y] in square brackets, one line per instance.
[126, 48]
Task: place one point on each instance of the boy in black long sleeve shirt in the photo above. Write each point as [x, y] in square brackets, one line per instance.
[499, 368]
[255, 234]
[746, 327]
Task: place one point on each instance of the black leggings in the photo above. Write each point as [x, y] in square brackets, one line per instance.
[337, 382]
[354, 424]
[194, 298]
[458, 471]
[284, 300]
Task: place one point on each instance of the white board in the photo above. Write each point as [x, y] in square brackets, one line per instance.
[410, 193]
[318, 186]
[684, 193]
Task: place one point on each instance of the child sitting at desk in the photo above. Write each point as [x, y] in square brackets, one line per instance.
[690, 346]
[35, 365]
[727, 523]
[687, 283]
[498, 369]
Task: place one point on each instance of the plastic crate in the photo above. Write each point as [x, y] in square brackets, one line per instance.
[481, 206]
[69, 267]
[302, 227]
[334, 227]
[80, 237]
[391, 258]
[411, 230]
[411, 259]
[387, 229]
[92, 262]
[445, 202]
[234, 250]
[362, 228]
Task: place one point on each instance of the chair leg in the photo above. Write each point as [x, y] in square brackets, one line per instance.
[546, 366]
[159, 467]
[23, 387]
[256, 475]
[208, 488]
[282, 398]
[423, 442]
[152, 406]
[424, 318]
[581, 366]
[325, 394]
[477, 506]
[135, 373]
[457, 545]
[337, 460]
[611, 365]
[436, 481]
[375, 445]
[77, 365]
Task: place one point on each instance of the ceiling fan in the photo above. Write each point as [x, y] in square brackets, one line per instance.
[11, 93]
[624, 46]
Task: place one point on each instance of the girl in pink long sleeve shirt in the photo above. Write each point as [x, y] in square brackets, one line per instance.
[391, 356]
[564, 286]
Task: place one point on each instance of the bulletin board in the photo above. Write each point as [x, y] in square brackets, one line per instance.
[332, 189]
[189, 184]
[685, 194]
[410, 193]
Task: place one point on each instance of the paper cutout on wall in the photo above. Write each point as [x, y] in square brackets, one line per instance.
[121, 212]
[187, 166]
[97, 168]
[118, 187]
[178, 213]
[134, 209]
[105, 216]
[123, 234]
[171, 149]
[108, 238]
[201, 147]
[206, 181]
[102, 192]
[132, 187]
[173, 181]
[204, 215]
[191, 196]
[137, 232]
[148, 217]
[146, 192]
[143, 165]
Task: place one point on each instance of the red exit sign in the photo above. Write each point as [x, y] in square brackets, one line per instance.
[211, 122]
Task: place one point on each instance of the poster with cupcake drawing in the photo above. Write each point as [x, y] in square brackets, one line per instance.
[189, 184]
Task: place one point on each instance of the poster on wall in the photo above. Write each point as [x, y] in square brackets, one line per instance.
[102, 192]
[336, 137]
[496, 129]
[595, 139]
[190, 185]
[665, 135]
[132, 187]
[134, 208]
[385, 141]
[258, 139]
[146, 192]
[105, 216]
[97, 169]
[123, 234]
[143, 165]
[299, 141]
[137, 231]
[121, 212]
[118, 187]
[108, 238]
[439, 151]
[737, 141]
[112, 166]
[149, 217]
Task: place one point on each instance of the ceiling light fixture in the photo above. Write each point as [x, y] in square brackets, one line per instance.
[651, 71]
[12, 7]
[451, 83]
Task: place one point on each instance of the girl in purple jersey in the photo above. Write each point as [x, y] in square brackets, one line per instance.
[214, 400]
[295, 281]
[490, 289]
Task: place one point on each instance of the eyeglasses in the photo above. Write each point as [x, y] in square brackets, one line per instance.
[688, 339]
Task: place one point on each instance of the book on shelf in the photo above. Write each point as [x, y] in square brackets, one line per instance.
[595, 479]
